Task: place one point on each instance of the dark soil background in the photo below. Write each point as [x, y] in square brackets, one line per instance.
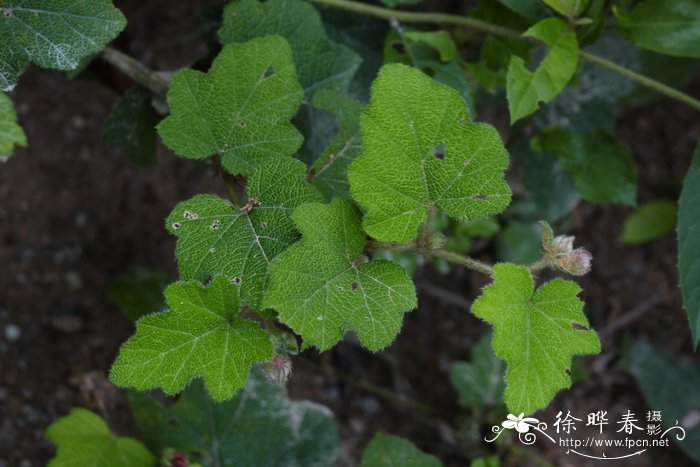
[74, 212]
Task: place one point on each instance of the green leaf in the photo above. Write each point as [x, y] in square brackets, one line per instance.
[389, 450]
[421, 150]
[689, 245]
[534, 333]
[666, 26]
[240, 109]
[83, 438]
[395, 3]
[518, 242]
[330, 171]
[321, 286]
[11, 133]
[439, 40]
[486, 461]
[602, 166]
[53, 34]
[131, 124]
[480, 383]
[320, 62]
[670, 386]
[528, 8]
[202, 335]
[649, 222]
[217, 238]
[526, 89]
[298, 433]
[568, 8]
[139, 291]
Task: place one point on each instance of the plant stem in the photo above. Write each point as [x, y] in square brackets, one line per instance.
[537, 265]
[229, 180]
[152, 80]
[484, 26]
[451, 256]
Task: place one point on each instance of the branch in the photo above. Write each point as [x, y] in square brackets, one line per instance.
[451, 256]
[484, 26]
[155, 81]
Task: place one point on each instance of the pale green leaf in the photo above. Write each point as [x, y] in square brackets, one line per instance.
[689, 245]
[131, 124]
[260, 426]
[670, 386]
[421, 150]
[83, 438]
[389, 450]
[330, 171]
[666, 26]
[240, 109]
[479, 383]
[534, 333]
[11, 133]
[217, 238]
[649, 222]
[202, 335]
[568, 8]
[526, 89]
[139, 291]
[53, 34]
[321, 287]
[320, 62]
[486, 461]
[602, 166]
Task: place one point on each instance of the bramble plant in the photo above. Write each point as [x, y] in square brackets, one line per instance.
[345, 161]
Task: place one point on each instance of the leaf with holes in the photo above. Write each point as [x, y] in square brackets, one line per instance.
[330, 171]
[217, 238]
[526, 89]
[321, 286]
[201, 335]
[240, 109]
[300, 433]
[11, 133]
[421, 151]
[55, 34]
[385, 450]
[320, 62]
[536, 332]
[83, 438]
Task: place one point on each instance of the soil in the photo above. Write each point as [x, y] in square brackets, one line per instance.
[74, 212]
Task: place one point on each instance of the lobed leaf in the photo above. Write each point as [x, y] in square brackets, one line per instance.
[534, 333]
[320, 62]
[11, 133]
[202, 335]
[321, 287]
[526, 89]
[689, 245]
[53, 34]
[217, 238]
[83, 438]
[422, 151]
[385, 450]
[240, 109]
[295, 433]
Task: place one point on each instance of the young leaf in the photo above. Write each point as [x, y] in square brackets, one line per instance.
[689, 245]
[385, 450]
[240, 109]
[649, 222]
[217, 238]
[321, 287]
[421, 150]
[602, 167]
[53, 34]
[526, 89]
[666, 26]
[131, 124]
[534, 333]
[655, 372]
[11, 133]
[320, 62]
[83, 438]
[139, 291]
[330, 171]
[480, 383]
[201, 335]
[299, 433]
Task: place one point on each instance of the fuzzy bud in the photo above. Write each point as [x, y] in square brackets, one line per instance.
[278, 369]
[559, 253]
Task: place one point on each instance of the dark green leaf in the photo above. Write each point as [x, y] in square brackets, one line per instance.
[131, 124]
[139, 291]
[689, 245]
[480, 383]
[388, 450]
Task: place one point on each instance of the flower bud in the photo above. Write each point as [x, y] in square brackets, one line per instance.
[559, 253]
[278, 369]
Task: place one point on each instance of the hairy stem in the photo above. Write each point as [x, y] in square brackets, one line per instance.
[484, 26]
[450, 256]
[152, 80]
